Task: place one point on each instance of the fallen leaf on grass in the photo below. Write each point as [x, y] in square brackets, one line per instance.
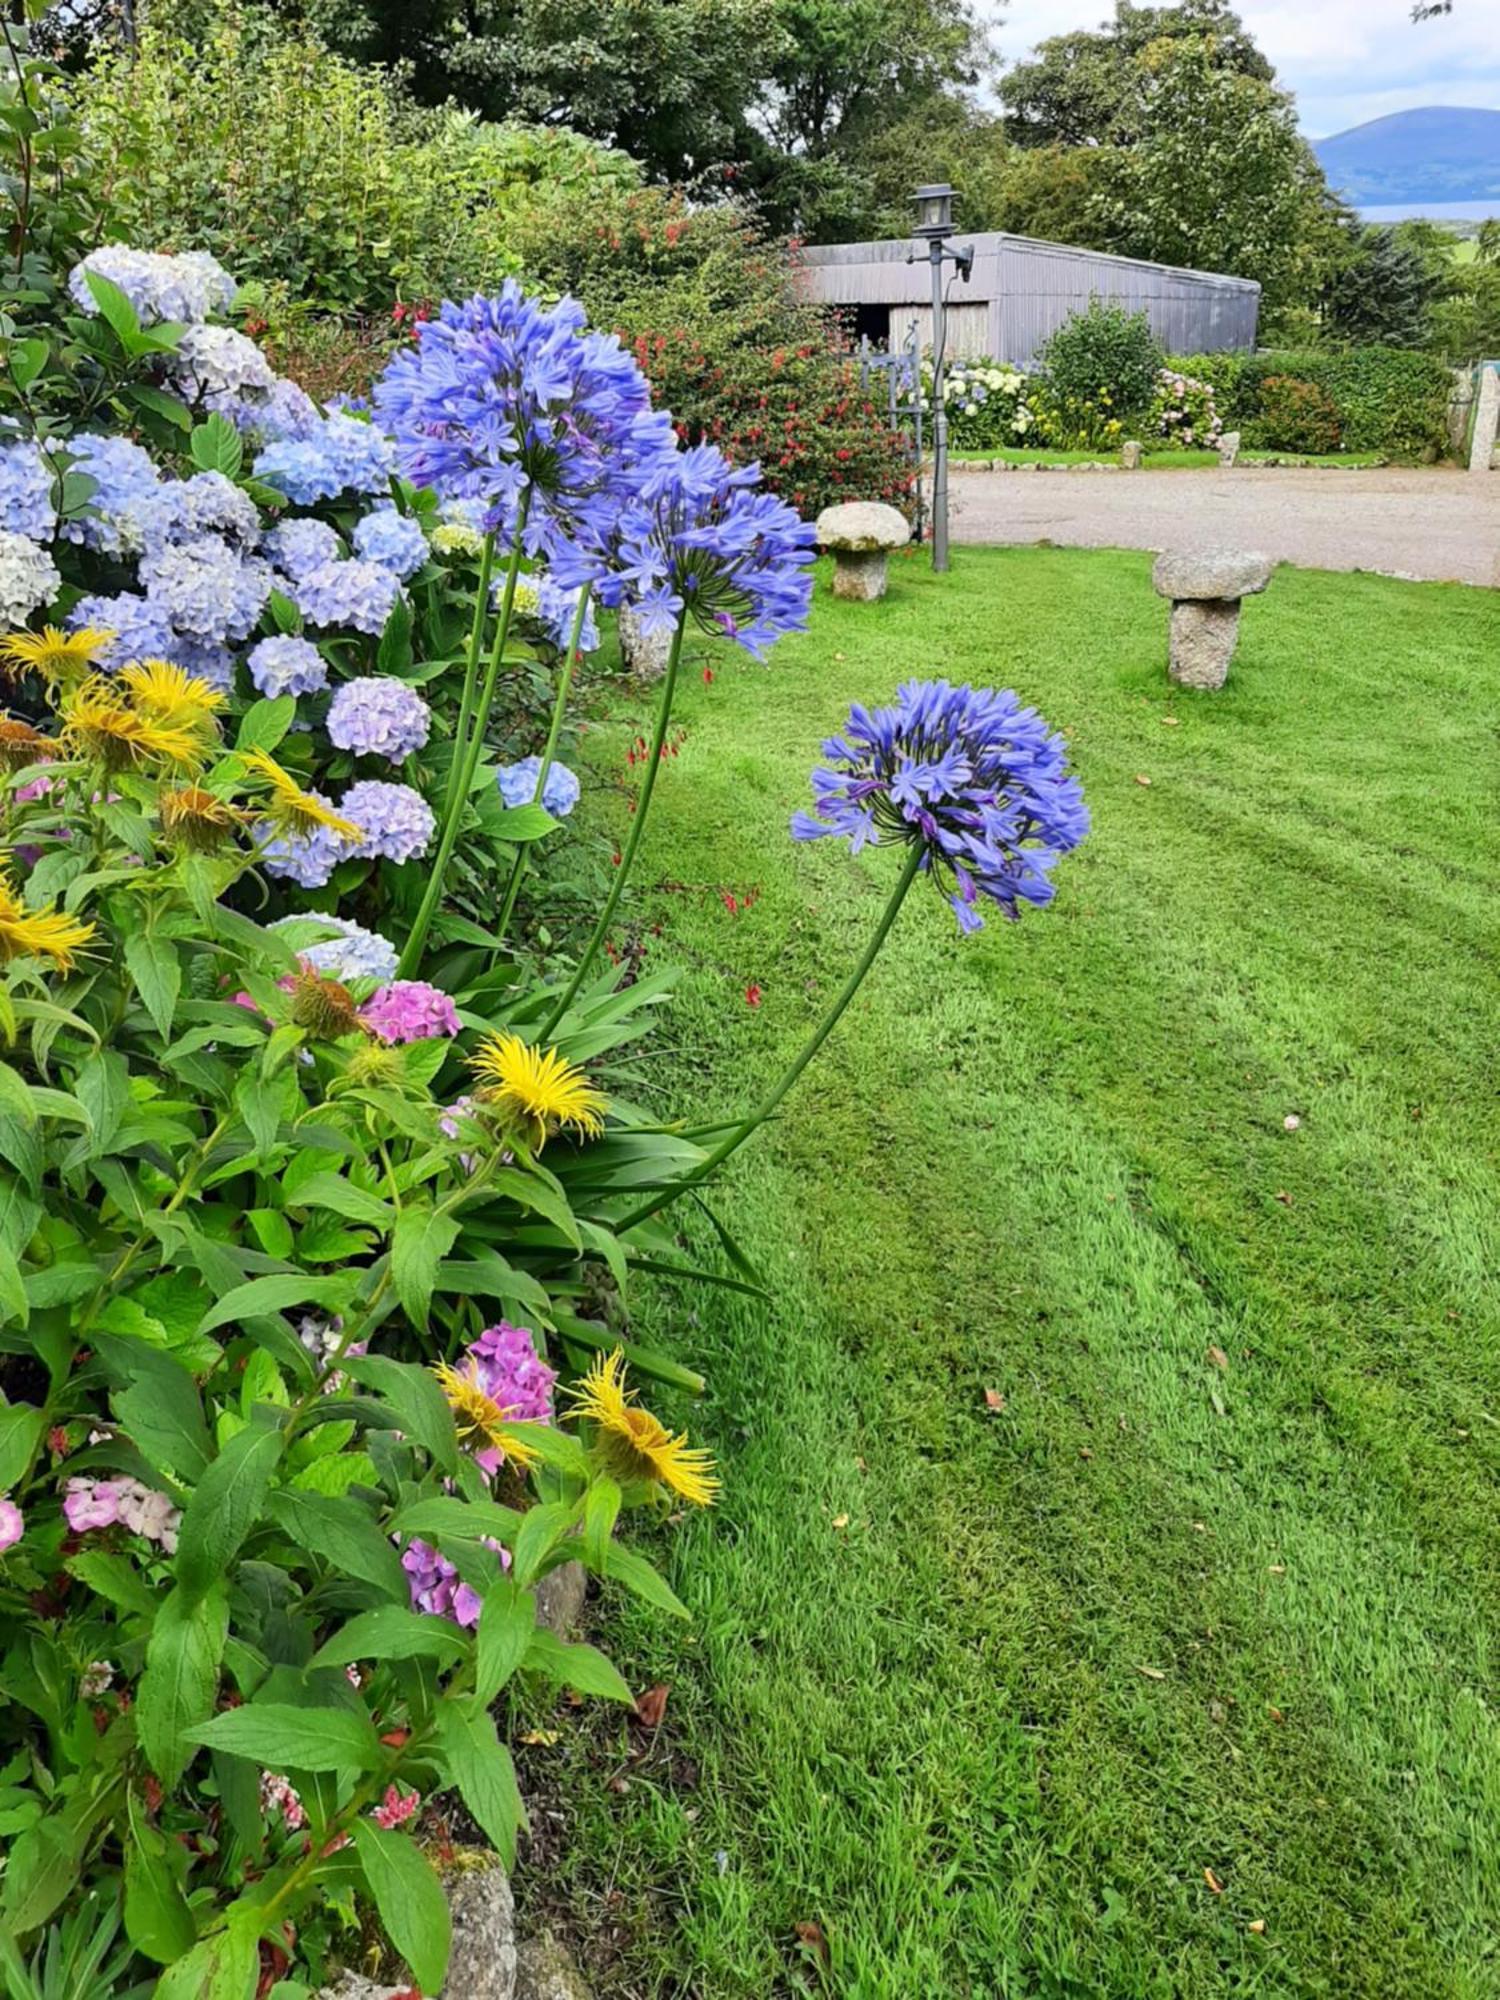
[1171, 721]
[1257, 1928]
[993, 1400]
[1283, 1197]
[1152, 1673]
[1213, 1881]
[543, 1739]
[651, 1706]
[841, 1520]
[1141, 778]
[1218, 1357]
[812, 1939]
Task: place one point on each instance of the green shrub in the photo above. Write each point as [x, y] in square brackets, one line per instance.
[1295, 415]
[1106, 358]
[1385, 399]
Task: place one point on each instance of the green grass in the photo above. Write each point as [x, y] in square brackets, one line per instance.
[984, 1693]
[1170, 460]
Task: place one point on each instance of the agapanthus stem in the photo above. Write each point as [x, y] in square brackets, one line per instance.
[466, 753]
[642, 806]
[549, 754]
[738, 1134]
[471, 663]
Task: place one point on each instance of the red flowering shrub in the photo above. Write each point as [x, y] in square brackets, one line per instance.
[714, 311]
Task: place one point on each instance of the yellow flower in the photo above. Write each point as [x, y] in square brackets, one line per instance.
[537, 1086]
[100, 721]
[55, 655]
[633, 1444]
[292, 810]
[38, 933]
[172, 695]
[21, 744]
[477, 1415]
[199, 819]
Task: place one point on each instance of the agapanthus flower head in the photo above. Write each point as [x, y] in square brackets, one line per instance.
[285, 664]
[361, 594]
[187, 287]
[409, 1010]
[377, 715]
[353, 954]
[538, 1088]
[517, 783]
[503, 397]
[139, 628]
[29, 578]
[972, 776]
[55, 657]
[26, 491]
[302, 544]
[125, 480]
[636, 1446]
[700, 538]
[392, 539]
[398, 823]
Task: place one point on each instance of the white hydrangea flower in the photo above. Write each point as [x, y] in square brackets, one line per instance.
[221, 368]
[28, 579]
[187, 287]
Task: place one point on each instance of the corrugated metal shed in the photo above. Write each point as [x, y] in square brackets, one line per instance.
[1022, 290]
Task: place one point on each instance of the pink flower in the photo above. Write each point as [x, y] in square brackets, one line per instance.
[409, 1010]
[278, 1795]
[91, 1503]
[12, 1524]
[396, 1808]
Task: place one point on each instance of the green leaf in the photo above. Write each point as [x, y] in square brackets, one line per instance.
[480, 1765]
[342, 1533]
[521, 824]
[177, 1690]
[172, 408]
[332, 1191]
[410, 1900]
[601, 1509]
[541, 1529]
[416, 1399]
[215, 446]
[115, 1579]
[225, 1507]
[280, 1737]
[580, 1667]
[421, 1241]
[158, 1921]
[27, 360]
[115, 307]
[225, 1966]
[159, 1410]
[154, 966]
[540, 1195]
[274, 1294]
[20, 1427]
[625, 1566]
[44, 1865]
[391, 1632]
[265, 723]
[394, 654]
[506, 1624]
[102, 1087]
[463, 1520]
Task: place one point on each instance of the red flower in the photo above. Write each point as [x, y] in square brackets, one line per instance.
[752, 994]
[708, 674]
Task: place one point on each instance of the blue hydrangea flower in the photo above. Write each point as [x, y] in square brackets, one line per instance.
[286, 411]
[26, 491]
[29, 578]
[299, 545]
[393, 540]
[553, 610]
[210, 662]
[354, 954]
[342, 455]
[125, 481]
[286, 664]
[186, 287]
[398, 823]
[378, 716]
[308, 859]
[979, 782]
[697, 536]
[142, 629]
[220, 368]
[184, 510]
[361, 594]
[517, 784]
[207, 589]
[504, 396]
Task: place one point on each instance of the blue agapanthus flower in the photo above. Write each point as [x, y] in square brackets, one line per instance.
[698, 535]
[285, 664]
[977, 780]
[503, 396]
[26, 491]
[517, 784]
[393, 540]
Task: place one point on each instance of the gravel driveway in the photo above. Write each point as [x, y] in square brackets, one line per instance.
[1435, 523]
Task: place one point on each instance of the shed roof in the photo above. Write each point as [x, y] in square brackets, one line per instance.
[989, 243]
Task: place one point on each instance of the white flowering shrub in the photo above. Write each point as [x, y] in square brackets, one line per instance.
[989, 405]
[1183, 411]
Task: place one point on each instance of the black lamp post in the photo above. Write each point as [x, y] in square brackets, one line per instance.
[934, 206]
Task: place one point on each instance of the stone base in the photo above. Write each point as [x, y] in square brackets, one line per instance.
[1130, 454]
[1229, 448]
[1204, 631]
[859, 574]
[547, 1972]
[645, 653]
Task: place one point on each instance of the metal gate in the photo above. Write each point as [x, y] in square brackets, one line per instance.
[896, 373]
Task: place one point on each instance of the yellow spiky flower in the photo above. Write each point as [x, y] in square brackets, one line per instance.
[539, 1088]
[635, 1445]
[54, 655]
[200, 820]
[174, 696]
[476, 1414]
[20, 744]
[48, 933]
[101, 721]
[290, 809]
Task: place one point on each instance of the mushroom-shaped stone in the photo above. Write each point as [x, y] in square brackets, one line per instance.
[1229, 448]
[859, 535]
[1130, 454]
[1205, 586]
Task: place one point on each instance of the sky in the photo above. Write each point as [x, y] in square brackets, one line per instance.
[1345, 60]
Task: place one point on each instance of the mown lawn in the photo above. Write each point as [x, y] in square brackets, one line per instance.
[1170, 1674]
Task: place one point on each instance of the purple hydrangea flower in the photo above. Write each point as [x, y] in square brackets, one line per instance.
[125, 482]
[393, 540]
[299, 545]
[697, 537]
[360, 594]
[207, 589]
[517, 784]
[378, 716]
[12, 1524]
[354, 954]
[285, 664]
[141, 627]
[26, 491]
[308, 859]
[504, 1362]
[503, 396]
[409, 1010]
[979, 782]
[436, 1586]
[398, 823]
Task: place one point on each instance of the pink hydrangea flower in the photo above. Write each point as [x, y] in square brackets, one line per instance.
[12, 1524]
[505, 1364]
[436, 1586]
[409, 1010]
[100, 1503]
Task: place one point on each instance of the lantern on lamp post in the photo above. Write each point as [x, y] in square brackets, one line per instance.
[934, 222]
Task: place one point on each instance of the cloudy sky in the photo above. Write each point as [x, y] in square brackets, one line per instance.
[1346, 60]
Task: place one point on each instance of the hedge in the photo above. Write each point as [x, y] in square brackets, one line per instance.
[1388, 399]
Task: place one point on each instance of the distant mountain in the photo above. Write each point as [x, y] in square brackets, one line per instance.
[1440, 153]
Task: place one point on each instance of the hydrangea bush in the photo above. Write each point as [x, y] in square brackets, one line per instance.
[989, 405]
